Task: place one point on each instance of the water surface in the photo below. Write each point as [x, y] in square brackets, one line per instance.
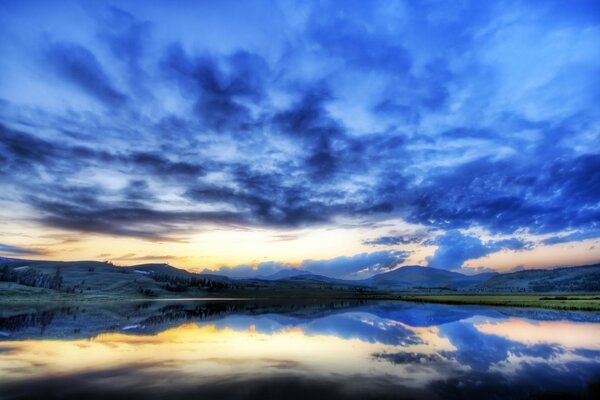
[244, 349]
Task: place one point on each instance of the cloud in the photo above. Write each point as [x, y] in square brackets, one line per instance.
[353, 267]
[572, 237]
[504, 197]
[78, 65]
[16, 250]
[475, 270]
[358, 266]
[84, 213]
[454, 249]
[518, 268]
[378, 113]
[396, 240]
[139, 257]
[128, 39]
[246, 271]
[220, 94]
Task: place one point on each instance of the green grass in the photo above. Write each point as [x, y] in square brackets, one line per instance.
[99, 282]
[18, 293]
[557, 302]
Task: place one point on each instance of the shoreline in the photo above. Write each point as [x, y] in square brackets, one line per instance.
[575, 302]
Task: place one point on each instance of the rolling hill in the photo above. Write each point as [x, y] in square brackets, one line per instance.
[285, 274]
[92, 278]
[559, 280]
[414, 276]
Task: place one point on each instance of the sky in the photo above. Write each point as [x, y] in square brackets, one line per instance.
[343, 138]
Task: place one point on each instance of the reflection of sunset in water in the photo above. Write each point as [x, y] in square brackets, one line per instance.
[210, 351]
[422, 349]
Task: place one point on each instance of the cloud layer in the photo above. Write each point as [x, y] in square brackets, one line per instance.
[353, 267]
[142, 123]
[454, 248]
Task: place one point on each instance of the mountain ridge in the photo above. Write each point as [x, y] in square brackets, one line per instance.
[105, 277]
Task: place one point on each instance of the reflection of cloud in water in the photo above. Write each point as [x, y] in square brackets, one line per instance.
[211, 351]
[563, 333]
[368, 349]
[351, 325]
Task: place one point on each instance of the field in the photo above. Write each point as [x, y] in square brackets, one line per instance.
[90, 281]
[558, 302]
[16, 293]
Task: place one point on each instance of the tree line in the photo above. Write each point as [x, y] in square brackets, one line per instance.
[181, 284]
[33, 278]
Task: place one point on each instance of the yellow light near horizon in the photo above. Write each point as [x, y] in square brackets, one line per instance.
[208, 351]
[567, 254]
[567, 334]
[232, 246]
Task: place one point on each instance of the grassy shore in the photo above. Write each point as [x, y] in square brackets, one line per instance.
[11, 293]
[557, 302]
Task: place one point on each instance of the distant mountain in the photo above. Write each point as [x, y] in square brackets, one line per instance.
[284, 274]
[161, 269]
[155, 280]
[322, 279]
[305, 280]
[6, 259]
[92, 277]
[414, 276]
[570, 279]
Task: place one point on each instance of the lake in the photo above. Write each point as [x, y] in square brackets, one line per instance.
[262, 350]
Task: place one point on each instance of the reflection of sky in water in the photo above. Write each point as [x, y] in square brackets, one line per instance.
[423, 348]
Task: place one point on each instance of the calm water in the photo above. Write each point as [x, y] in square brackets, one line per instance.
[204, 350]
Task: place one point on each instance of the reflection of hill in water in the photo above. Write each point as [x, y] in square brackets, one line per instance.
[85, 321]
[319, 350]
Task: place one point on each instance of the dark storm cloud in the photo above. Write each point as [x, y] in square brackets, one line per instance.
[78, 65]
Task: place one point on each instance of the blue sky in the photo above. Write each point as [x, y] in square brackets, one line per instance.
[354, 135]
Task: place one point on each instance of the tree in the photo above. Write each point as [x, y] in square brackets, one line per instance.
[6, 275]
[57, 280]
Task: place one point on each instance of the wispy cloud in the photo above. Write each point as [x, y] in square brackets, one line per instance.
[20, 251]
[346, 267]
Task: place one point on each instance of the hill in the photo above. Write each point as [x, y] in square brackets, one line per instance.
[414, 276]
[285, 274]
[161, 269]
[559, 280]
[93, 278]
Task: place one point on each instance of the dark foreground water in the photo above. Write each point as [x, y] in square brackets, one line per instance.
[244, 349]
